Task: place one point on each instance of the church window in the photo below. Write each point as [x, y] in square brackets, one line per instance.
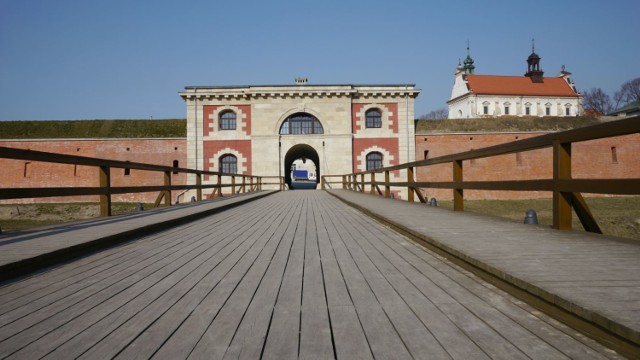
[485, 110]
[506, 108]
[547, 110]
[374, 160]
[228, 164]
[567, 109]
[374, 118]
[300, 124]
[228, 120]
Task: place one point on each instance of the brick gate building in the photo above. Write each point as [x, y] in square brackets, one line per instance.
[264, 130]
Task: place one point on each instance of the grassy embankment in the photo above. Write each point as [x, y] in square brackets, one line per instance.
[94, 129]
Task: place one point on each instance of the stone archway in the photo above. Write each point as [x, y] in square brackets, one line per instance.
[300, 151]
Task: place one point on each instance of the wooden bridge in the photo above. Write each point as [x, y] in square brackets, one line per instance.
[300, 274]
[321, 274]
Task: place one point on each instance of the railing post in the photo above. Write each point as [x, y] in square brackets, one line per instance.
[387, 187]
[233, 184]
[199, 187]
[561, 171]
[410, 193]
[373, 183]
[322, 180]
[105, 184]
[167, 190]
[361, 182]
[219, 185]
[344, 181]
[458, 194]
[243, 188]
[354, 182]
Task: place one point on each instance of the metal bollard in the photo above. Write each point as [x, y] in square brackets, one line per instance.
[433, 202]
[193, 199]
[531, 217]
[139, 207]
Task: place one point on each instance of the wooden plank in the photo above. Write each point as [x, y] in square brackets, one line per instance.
[45, 306]
[383, 339]
[215, 341]
[249, 339]
[509, 318]
[201, 281]
[62, 326]
[283, 337]
[348, 335]
[315, 329]
[411, 330]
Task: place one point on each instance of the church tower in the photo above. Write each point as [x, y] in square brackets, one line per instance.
[533, 70]
[468, 62]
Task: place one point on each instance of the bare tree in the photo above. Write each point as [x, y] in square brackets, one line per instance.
[598, 100]
[436, 114]
[630, 91]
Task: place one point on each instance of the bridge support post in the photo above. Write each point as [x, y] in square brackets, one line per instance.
[373, 183]
[105, 185]
[561, 200]
[167, 190]
[387, 187]
[458, 194]
[410, 193]
[199, 187]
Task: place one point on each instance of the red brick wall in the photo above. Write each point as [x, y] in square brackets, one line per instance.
[242, 147]
[388, 144]
[243, 119]
[22, 174]
[592, 159]
[358, 124]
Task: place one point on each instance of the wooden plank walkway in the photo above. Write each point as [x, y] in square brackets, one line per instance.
[27, 251]
[297, 274]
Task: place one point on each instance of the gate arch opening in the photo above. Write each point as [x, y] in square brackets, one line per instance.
[300, 155]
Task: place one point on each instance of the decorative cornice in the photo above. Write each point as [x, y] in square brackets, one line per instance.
[305, 91]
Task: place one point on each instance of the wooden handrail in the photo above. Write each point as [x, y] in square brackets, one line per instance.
[105, 190]
[566, 190]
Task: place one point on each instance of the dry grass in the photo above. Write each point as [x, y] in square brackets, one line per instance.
[617, 216]
[81, 129]
[504, 124]
[30, 216]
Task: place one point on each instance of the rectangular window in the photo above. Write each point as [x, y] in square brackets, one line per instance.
[486, 110]
[506, 110]
[567, 111]
[527, 110]
[548, 111]
[614, 155]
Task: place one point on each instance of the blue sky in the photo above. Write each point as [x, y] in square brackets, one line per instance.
[125, 59]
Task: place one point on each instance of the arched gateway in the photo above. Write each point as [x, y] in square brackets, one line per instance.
[302, 167]
[323, 129]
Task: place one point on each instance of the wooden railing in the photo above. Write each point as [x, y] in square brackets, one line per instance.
[566, 191]
[238, 183]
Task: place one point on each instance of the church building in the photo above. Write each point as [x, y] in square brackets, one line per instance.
[477, 96]
[275, 129]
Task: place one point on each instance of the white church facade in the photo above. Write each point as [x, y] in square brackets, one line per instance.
[477, 96]
[264, 130]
